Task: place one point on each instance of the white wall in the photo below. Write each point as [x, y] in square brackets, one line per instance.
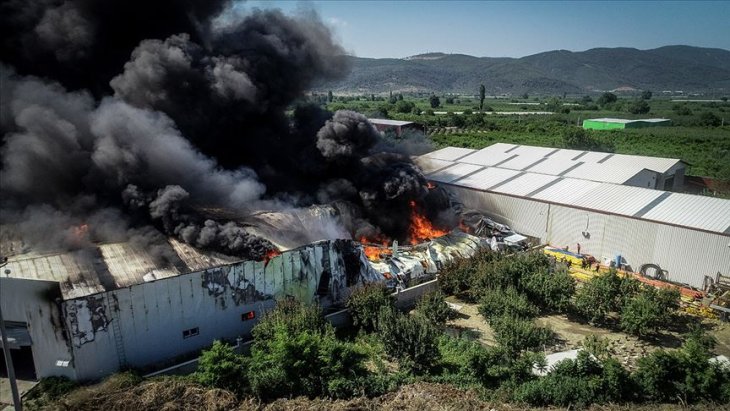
[688, 255]
[645, 179]
[33, 302]
[143, 325]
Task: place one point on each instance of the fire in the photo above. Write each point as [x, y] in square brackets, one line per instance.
[80, 233]
[269, 255]
[430, 185]
[374, 252]
[421, 229]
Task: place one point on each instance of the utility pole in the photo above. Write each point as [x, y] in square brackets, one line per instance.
[6, 353]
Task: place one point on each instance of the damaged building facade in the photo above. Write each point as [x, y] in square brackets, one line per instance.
[89, 313]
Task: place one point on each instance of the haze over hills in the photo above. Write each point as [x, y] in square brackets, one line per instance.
[686, 68]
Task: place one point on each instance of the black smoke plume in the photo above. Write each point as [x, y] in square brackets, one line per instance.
[121, 115]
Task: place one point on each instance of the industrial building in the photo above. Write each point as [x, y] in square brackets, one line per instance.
[396, 126]
[87, 313]
[688, 236]
[620, 123]
[638, 171]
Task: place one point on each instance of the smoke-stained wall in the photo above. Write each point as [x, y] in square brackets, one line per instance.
[154, 322]
[37, 303]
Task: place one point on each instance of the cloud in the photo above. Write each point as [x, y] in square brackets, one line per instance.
[337, 22]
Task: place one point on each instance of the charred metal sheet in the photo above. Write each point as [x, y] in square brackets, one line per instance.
[86, 316]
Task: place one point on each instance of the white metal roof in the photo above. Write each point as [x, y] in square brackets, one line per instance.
[626, 121]
[454, 172]
[708, 213]
[617, 199]
[552, 166]
[449, 153]
[429, 165]
[526, 184]
[487, 178]
[566, 191]
[604, 173]
[486, 157]
[659, 164]
[388, 122]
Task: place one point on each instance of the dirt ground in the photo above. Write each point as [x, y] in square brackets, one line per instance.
[625, 348]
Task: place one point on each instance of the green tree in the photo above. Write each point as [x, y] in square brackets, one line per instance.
[482, 94]
[518, 334]
[434, 101]
[498, 302]
[330, 97]
[449, 100]
[708, 118]
[526, 96]
[646, 95]
[365, 304]
[220, 367]
[402, 106]
[638, 107]
[411, 339]
[606, 98]
[648, 310]
[433, 307]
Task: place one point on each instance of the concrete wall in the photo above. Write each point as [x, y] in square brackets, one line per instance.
[688, 255]
[34, 302]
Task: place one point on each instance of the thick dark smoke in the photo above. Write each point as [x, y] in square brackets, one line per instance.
[119, 116]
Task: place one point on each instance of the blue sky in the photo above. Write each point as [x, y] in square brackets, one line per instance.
[514, 29]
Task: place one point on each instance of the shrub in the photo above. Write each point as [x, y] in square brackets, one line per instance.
[498, 302]
[433, 307]
[221, 367]
[638, 107]
[411, 339]
[579, 382]
[604, 294]
[312, 363]
[685, 374]
[517, 334]
[291, 316]
[365, 304]
[551, 289]
[456, 277]
[648, 310]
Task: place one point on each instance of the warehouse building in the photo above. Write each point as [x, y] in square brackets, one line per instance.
[686, 235]
[620, 123]
[396, 126]
[88, 313]
[638, 171]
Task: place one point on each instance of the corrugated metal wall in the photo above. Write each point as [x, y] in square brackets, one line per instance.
[527, 217]
[144, 324]
[688, 255]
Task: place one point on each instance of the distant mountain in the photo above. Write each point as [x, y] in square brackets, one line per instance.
[686, 68]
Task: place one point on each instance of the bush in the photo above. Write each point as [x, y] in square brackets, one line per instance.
[365, 304]
[604, 294]
[578, 382]
[433, 307]
[499, 302]
[221, 367]
[648, 310]
[291, 316]
[411, 339]
[684, 374]
[709, 119]
[455, 278]
[517, 334]
[638, 107]
[550, 289]
[312, 363]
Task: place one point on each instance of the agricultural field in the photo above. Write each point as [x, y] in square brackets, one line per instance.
[697, 134]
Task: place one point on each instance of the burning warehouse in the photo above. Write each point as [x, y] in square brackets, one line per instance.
[157, 194]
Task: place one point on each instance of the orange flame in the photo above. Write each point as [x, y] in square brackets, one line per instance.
[269, 255]
[421, 229]
[430, 185]
[375, 252]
